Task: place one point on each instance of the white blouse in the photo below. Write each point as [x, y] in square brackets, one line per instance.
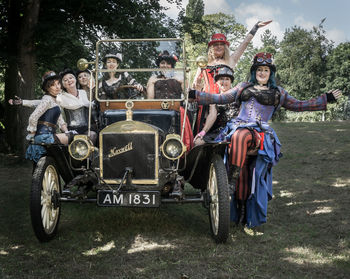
[47, 102]
[65, 100]
[68, 101]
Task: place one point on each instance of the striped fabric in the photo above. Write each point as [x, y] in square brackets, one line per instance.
[286, 101]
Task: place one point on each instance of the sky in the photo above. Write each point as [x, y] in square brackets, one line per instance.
[284, 13]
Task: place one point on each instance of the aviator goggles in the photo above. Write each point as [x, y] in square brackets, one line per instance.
[262, 59]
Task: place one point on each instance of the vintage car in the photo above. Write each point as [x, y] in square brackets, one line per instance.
[141, 153]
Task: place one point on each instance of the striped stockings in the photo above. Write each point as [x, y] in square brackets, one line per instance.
[241, 142]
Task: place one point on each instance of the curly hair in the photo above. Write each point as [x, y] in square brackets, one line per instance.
[211, 56]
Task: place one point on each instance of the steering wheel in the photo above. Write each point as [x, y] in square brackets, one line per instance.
[132, 96]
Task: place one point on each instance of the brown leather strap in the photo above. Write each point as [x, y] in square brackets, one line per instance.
[47, 124]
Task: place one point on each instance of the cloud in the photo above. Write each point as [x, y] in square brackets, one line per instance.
[210, 7]
[252, 13]
[300, 21]
[217, 6]
[264, 12]
[172, 10]
[336, 35]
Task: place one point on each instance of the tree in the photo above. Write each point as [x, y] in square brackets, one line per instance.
[195, 10]
[197, 39]
[338, 75]
[301, 61]
[53, 34]
[270, 43]
[192, 22]
[19, 78]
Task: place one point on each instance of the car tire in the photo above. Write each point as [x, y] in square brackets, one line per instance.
[45, 208]
[219, 200]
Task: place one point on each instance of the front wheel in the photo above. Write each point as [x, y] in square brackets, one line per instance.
[44, 199]
[219, 200]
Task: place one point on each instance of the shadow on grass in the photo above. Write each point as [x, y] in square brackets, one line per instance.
[307, 234]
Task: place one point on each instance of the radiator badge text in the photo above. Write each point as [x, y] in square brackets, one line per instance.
[115, 151]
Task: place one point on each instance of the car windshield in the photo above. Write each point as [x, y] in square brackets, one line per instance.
[141, 70]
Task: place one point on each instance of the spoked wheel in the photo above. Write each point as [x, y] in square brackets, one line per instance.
[44, 199]
[219, 201]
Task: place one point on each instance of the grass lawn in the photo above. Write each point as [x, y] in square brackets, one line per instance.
[307, 234]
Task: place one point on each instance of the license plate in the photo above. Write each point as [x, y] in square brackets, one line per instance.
[132, 199]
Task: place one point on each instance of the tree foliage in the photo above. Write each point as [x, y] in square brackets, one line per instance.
[301, 61]
[338, 68]
[338, 76]
[58, 34]
[197, 39]
[270, 42]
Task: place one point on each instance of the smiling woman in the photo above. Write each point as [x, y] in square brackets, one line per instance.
[112, 82]
[218, 56]
[42, 122]
[255, 147]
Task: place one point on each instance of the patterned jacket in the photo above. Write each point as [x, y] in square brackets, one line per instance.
[287, 101]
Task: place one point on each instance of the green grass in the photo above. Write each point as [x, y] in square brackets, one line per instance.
[307, 234]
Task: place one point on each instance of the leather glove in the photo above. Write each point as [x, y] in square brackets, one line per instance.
[192, 94]
[330, 98]
[17, 101]
[255, 28]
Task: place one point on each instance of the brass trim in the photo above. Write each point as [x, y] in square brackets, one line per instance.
[131, 127]
[129, 105]
[165, 105]
[173, 137]
[98, 70]
[88, 142]
[134, 181]
[202, 61]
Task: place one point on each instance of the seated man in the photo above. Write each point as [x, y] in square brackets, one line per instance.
[165, 85]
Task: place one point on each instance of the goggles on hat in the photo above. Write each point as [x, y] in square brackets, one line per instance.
[262, 59]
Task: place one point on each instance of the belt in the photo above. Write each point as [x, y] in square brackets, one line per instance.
[47, 124]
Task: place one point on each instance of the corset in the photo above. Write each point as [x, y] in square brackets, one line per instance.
[76, 117]
[252, 111]
[225, 113]
[167, 89]
[47, 122]
[269, 97]
[112, 91]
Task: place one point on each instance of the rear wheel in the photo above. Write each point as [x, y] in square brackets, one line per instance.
[219, 201]
[44, 199]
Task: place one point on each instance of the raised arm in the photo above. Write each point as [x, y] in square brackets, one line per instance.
[234, 58]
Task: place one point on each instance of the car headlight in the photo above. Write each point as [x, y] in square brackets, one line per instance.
[81, 147]
[173, 148]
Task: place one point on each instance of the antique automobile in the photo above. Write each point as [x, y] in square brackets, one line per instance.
[141, 155]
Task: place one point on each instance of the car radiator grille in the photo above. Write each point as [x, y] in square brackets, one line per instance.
[129, 150]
